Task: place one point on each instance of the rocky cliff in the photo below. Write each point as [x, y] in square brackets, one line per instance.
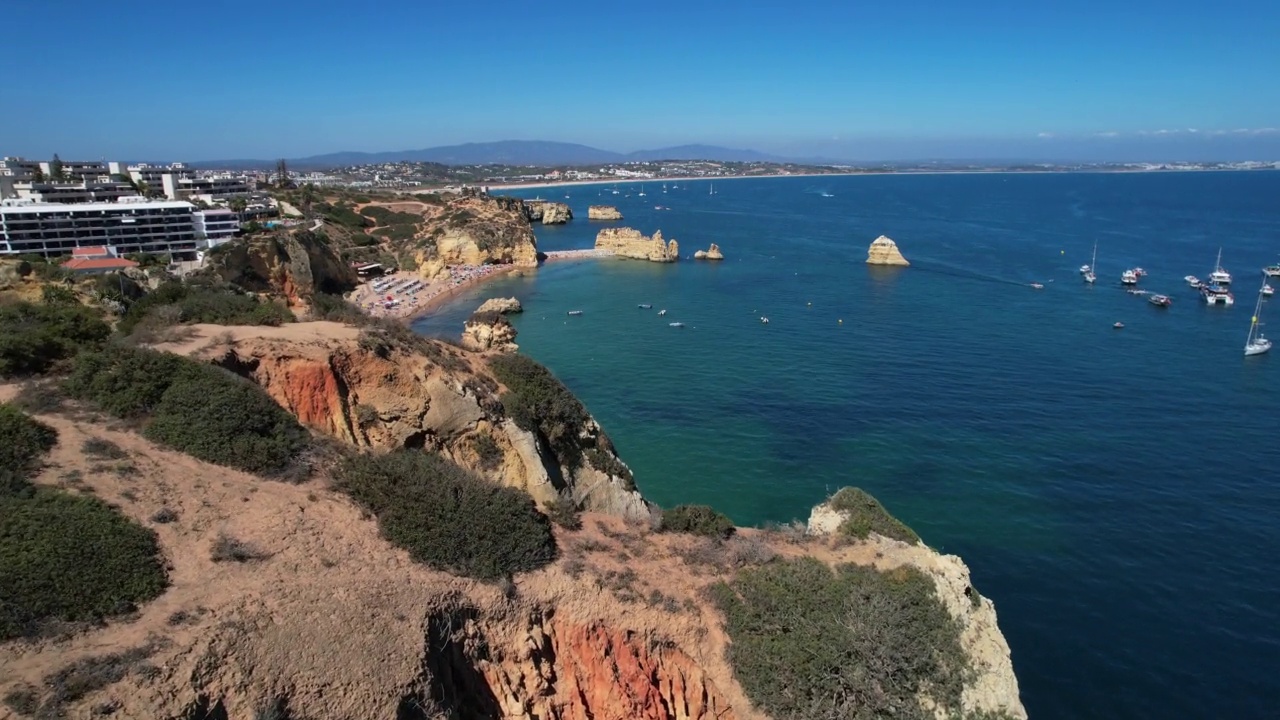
[994, 685]
[603, 212]
[487, 331]
[292, 265]
[503, 306]
[376, 390]
[631, 243]
[884, 251]
[711, 253]
[547, 212]
[475, 230]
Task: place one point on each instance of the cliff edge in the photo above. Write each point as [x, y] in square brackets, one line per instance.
[603, 212]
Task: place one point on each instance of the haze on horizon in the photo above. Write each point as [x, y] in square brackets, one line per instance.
[993, 79]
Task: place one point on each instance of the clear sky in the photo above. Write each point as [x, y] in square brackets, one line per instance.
[890, 79]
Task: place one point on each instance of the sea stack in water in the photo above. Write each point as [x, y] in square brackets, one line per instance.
[712, 253]
[603, 212]
[502, 306]
[884, 251]
[549, 213]
[631, 243]
[488, 330]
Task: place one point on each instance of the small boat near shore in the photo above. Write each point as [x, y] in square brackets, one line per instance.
[662, 312]
[1129, 277]
[645, 306]
[1267, 290]
[1193, 281]
[575, 312]
[1160, 300]
[676, 324]
[1118, 325]
[1037, 286]
[1272, 270]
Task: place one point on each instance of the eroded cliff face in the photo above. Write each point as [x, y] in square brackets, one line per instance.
[631, 243]
[291, 265]
[475, 230]
[380, 394]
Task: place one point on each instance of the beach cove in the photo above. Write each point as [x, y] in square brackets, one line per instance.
[1128, 543]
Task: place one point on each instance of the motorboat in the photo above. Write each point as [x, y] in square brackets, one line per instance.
[1192, 280]
[1135, 291]
[1215, 294]
[1219, 276]
[1128, 277]
[575, 312]
[1139, 272]
[1118, 325]
[1037, 286]
[662, 312]
[1267, 290]
[1255, 343]
[764, 320]
[645, 306]
[1085, 268]
[1272, 270]
[1160, 300]
[676, 324]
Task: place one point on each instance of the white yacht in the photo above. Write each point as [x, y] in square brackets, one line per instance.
[1267, 290]
[1272, 270]
[1192, 280]
[1217, 295]
[1088, 270]
[1255, 343]
[1128, 277]
[1219, 276]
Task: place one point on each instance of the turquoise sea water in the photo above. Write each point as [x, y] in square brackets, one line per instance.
[1115, 492]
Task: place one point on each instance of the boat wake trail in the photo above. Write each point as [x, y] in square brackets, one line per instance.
[962, 273]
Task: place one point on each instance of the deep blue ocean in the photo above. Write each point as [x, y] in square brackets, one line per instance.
[1115, 492]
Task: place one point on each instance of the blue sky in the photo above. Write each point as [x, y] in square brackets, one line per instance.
[1093, 80]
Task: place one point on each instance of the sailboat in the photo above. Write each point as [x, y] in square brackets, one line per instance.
[664, 188]
[642, 190]
[1256, 344]
[713, 189]
[1089, 275]
[1219, 276]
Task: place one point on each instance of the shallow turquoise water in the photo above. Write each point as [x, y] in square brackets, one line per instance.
[1115, 492]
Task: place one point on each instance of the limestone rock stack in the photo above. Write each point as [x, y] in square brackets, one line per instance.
[884, 251]
[631, 243]
[712, 253]
[485, 331]
[603, 212]
[502, 306]
[549, 213]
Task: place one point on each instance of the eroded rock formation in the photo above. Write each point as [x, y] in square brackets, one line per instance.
[884, 251]
[384, 392]
[292, 265]
[603, 212]
[712, 253]
[547, 212]
[504, 306]
[631, 243]
[488, 331]
[475, 230]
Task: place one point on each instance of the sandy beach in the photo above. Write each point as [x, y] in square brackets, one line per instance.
[405, 294]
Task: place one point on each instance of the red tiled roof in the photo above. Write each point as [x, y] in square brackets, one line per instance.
[94, 251]
[83, 263]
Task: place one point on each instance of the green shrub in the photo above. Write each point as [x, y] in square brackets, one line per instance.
[71, 558]
[447, 518]
[23, 442]
[124, 381]
[35, 337]
[221, 418]
[336, 309]
[867, 515]
[609, 464]
[538, 402]
[216, 304]
[565, 513]
[696, 520]
[202, 410]
[810, 642]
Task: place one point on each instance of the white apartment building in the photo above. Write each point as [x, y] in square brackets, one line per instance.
[216, 225]
[64, 192]
[130, 225]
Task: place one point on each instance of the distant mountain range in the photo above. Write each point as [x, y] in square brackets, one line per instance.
[507, 152]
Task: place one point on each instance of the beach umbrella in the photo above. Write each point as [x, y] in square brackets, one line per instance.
[390, 298]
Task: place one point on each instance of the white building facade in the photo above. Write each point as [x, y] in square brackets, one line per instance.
[216, 225]
[130, 225]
